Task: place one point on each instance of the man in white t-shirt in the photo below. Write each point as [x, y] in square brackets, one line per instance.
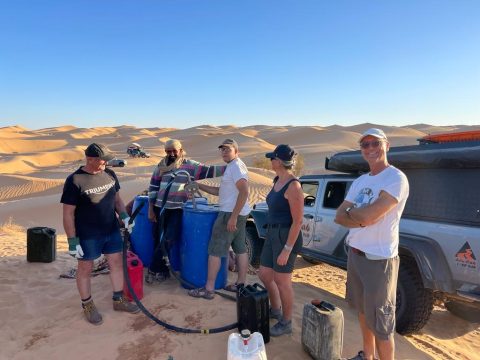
[372, 210]
[229, 227]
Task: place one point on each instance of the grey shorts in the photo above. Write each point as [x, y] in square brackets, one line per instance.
[222, 239]
[272, 247]
[372, 289]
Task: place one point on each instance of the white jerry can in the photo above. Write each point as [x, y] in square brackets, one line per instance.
[246, 346]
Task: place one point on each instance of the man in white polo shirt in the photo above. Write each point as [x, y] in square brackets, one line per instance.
[229, 228]
[372, 210]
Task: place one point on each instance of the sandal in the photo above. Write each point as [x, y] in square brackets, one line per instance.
[232, 287]
[202, 293]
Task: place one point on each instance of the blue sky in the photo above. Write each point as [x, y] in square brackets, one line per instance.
[182, 63]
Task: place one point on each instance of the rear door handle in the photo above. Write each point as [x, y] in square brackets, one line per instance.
[308, 216]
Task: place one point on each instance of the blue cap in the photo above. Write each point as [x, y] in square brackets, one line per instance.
[283, 152]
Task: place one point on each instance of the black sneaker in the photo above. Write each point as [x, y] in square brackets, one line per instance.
[91, 313]
[359, 356]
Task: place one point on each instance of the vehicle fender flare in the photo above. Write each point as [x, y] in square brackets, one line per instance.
[430, 259]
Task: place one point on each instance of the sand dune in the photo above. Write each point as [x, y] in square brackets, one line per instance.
[40, 313]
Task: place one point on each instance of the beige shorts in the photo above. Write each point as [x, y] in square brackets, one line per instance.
[372, 290]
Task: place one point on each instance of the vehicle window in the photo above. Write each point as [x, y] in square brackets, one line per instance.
[310, 190]
[334, 194]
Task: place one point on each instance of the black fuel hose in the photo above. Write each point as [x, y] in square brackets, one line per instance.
[126, 241]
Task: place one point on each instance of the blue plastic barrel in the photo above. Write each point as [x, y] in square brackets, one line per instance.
[196, 231]
[142, 237]
[174, 255]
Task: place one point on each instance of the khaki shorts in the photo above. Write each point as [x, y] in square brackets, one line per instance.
[221, 239]
[372, 289]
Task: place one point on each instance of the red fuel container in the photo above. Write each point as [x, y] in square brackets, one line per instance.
[135, 274]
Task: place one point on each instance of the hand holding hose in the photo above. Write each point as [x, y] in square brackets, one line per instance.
[192, 188]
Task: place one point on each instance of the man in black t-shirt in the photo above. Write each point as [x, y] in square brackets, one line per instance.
[91, 200]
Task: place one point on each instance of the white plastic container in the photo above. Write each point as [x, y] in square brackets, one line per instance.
[246, 346]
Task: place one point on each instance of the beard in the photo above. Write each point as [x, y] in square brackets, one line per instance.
[171, 159]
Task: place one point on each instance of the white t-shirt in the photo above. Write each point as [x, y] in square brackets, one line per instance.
[228, 192]
[380, 239]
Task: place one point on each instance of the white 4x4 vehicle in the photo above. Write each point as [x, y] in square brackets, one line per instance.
[439, 230]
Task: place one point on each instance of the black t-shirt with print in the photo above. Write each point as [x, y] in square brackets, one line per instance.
[94, 198]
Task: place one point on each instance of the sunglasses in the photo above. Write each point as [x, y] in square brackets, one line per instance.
[171, 151]
[225, 149]
[374, 144]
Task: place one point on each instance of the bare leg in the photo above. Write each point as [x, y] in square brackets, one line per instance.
[84, 270]
[214, 263]
[266, 275]
[386, 348]
[284, 285]
[115, 262]
[242, 261]
[368, 338]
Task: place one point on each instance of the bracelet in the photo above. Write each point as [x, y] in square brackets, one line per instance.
[288, 248]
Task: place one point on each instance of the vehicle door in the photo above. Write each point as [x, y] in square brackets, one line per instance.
[310, 195]
[329, 235]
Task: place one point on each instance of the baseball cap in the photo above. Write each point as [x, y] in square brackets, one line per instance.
[283, 152]
[378, 133]
[229, 142]
[100, 151]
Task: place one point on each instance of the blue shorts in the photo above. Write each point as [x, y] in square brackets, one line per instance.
[95, 246]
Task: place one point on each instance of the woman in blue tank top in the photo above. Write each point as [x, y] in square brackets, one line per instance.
[284, 239]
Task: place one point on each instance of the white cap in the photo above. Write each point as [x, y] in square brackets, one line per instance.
[374, 132]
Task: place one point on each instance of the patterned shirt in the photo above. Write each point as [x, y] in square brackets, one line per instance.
[177, 195]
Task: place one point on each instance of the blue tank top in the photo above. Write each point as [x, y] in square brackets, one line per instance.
[278, 206]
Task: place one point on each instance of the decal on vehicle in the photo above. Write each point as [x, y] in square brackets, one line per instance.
[465, 257]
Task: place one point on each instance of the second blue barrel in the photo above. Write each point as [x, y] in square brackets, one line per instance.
[196, 231]
[142, 236]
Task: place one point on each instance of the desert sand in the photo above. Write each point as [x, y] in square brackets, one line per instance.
[40, 313]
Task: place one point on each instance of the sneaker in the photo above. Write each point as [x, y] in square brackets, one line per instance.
[91, 313]
[275, 314]
[156, 278]
[123, 305]
[281, 328]
[359, 356]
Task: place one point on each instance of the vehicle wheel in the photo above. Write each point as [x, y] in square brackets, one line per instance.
[414, 302]
[122, 164]
[254, 245]
[464, 310]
